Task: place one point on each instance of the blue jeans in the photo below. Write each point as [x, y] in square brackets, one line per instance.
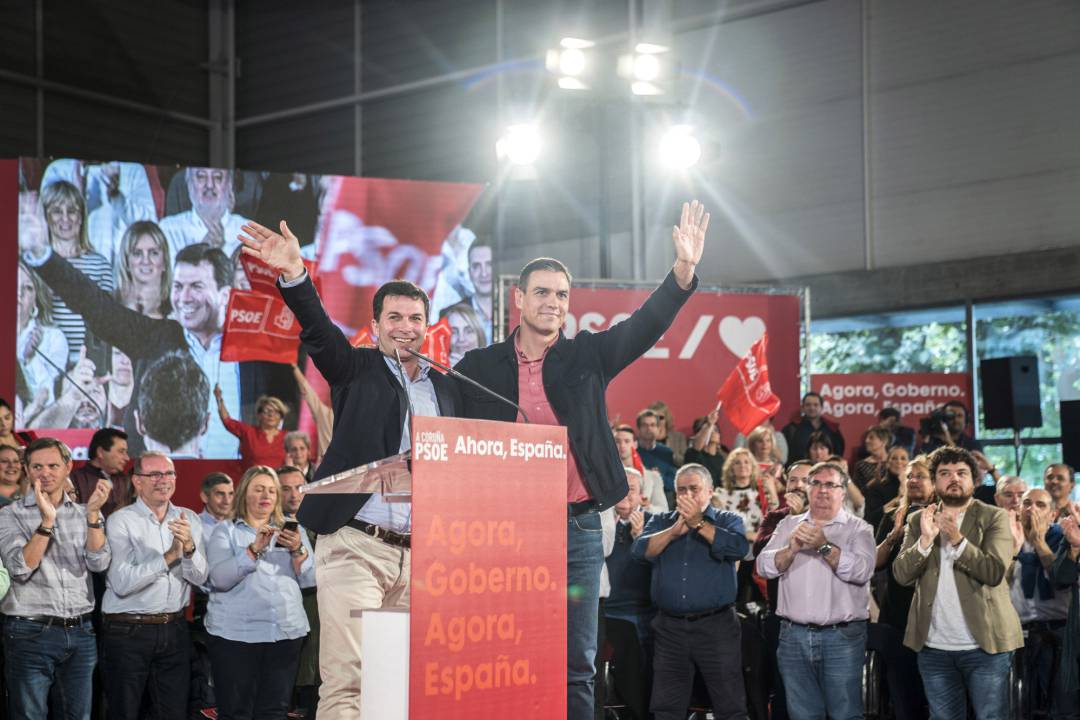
[35, 654]
[822, 670]
[950, 675]
[584, 558]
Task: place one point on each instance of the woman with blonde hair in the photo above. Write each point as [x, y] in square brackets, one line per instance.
[263, 443]
[742, 492]
[65, 222]
[762, 445]
[255, 616]
[143, 274]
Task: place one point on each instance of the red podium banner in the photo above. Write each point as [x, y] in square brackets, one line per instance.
[488, 615]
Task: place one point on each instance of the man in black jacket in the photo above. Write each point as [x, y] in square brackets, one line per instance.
[561, 381]
[363, 549]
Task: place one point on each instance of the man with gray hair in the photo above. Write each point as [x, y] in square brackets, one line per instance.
[693, 550]
[210, 219]
[158, 559]
[1008, 496]
[824, 558]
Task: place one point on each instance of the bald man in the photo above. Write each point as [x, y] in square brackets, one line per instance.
[1042, 608]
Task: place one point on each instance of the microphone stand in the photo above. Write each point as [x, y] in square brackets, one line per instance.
[454, 373]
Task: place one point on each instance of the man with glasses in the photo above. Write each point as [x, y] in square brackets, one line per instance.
[158, 558]
[961, 623]
[693, 550]
[50, 545]
[824, 558]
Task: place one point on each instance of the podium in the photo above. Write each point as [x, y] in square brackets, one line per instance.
[486, 628]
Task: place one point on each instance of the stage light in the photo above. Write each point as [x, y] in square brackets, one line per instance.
[679, 149]
[570, 63]
[519, 145]
[648, 68]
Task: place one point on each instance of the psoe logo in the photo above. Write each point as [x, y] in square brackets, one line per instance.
[284, 320]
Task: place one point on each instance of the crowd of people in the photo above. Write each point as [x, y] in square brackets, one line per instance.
[961, 581]
[687, 558]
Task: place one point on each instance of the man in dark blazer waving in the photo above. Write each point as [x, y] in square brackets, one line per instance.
[561, 381]
[363, 550]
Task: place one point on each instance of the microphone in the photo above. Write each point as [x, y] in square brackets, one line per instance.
[454, 373]
[408, 393]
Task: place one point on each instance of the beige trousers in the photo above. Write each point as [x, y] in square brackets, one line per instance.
[355, 572]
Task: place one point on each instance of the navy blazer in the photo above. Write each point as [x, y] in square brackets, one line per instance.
[369, 405]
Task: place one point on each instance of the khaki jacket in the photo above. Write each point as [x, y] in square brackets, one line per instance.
[980, 580]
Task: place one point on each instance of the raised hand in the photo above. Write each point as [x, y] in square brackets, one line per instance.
[794, 502]
[1072, 531]
[680, 527]
[637, 523]
[99, 496]
[280, 251]
[689, 234]
[181, 530]
[217, 392]
[33, 232]
[1016, 527]
[928, 526]
[289, 539]
[45, 505]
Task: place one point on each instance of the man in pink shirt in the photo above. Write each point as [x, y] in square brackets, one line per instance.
[561, 381]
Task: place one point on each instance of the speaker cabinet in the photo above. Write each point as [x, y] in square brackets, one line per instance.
[1010, 392]
[1070, 432]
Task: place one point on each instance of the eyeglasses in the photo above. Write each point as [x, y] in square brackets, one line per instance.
[818, 485]
[168, 474]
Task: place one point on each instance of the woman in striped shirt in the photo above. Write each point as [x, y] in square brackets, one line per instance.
[65, 218]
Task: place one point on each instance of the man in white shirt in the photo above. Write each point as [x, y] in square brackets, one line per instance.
[210, 219]
[157, 560]
[961, 622]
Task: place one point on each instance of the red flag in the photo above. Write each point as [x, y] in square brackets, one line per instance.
[746, 395]
[363, 338]
[259, 327]
[437, 342]
[263, 278]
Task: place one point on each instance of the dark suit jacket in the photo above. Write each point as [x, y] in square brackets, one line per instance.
[576, 374]
[369, 406]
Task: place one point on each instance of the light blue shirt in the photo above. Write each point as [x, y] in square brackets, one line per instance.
[218, 443]
[138, 580]
[209, 522]
[255, 601]
[397, 516]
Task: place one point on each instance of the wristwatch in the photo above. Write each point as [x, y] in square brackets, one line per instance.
[185, 551]
[825, 549]
[700, 524]
[257, 553]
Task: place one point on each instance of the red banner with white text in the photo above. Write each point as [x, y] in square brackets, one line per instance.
[700, 349]
[259, 327]
[854, 400]
[488, 603]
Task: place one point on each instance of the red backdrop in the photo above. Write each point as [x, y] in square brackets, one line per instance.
[855, 399]
[694, 357]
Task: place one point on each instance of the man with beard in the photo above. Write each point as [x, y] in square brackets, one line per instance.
[364, 546]
[201, 283]
[961, 622]
[210, 219]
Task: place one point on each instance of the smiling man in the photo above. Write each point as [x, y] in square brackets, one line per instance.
[561, 381]
[961, 622]
[199, 293]
[362, 551]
